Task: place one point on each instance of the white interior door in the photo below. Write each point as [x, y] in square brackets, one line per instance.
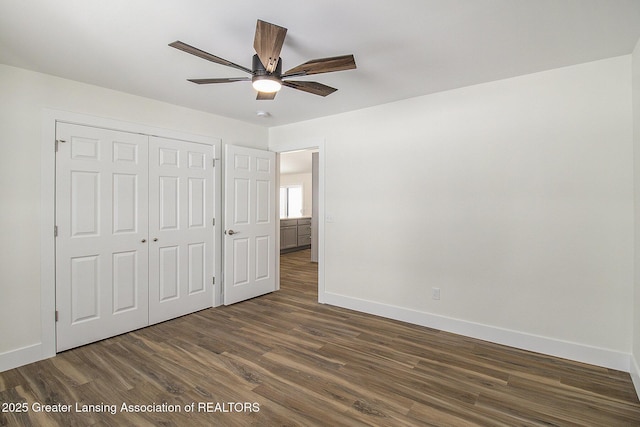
[135, 242]
[181, 191]
[101, 246]
[250, 223]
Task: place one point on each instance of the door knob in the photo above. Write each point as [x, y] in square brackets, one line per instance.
[155, 239]
[143, 240]
[231, 232]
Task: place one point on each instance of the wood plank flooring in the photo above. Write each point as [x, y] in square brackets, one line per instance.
[282, 359]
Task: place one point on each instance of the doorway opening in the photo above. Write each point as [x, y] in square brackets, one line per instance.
[300, 226]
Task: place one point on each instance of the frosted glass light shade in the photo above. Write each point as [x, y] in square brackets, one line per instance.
[266, 84]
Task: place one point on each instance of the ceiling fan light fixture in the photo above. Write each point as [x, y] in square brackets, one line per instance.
[266, 84]
[266, 71]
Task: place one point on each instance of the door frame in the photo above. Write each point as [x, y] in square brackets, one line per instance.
[308, 144]
[47, 346]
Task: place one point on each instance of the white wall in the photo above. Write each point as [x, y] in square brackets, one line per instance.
[635, 362]
[306, 181]
[24, 95]
[514, 197]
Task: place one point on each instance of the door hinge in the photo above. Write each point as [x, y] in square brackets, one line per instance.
[57, 316]
[55, 231]
[59, 141]
[214, 221]
[213, 162]
[214, 281]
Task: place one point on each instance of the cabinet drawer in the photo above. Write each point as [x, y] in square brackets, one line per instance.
[304, 221]
[304, 240]
[288, 222]
[304, 230]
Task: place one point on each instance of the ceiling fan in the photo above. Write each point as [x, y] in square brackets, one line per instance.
[266, 71]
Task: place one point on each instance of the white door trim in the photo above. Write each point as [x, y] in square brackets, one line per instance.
[319, 144]
[47, 346]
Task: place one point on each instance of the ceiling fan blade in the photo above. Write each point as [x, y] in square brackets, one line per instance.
[222, 80]
[206, 55]
[311, 87]
[323, 65]
[268, 43]
[264, 96]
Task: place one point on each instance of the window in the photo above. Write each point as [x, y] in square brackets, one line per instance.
[291, 201]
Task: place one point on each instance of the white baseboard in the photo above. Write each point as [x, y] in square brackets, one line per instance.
[22, 356]
[549, 346]
[635, 374]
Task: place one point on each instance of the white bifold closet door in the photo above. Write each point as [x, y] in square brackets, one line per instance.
[180, 227]
[134, 241]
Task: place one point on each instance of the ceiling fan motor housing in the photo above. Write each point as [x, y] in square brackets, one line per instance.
[260, 73]
[259, 70]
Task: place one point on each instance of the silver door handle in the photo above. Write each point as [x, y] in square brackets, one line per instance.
[231, 232]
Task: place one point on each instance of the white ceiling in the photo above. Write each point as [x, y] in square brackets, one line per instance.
[403, 48]
[294, 162]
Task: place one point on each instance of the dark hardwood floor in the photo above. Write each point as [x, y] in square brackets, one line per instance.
[283, 359]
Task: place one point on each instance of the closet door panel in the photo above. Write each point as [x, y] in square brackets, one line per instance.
[181, 224]
[101, 246]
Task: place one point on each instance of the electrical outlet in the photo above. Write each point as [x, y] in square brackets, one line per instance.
[435, 293]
